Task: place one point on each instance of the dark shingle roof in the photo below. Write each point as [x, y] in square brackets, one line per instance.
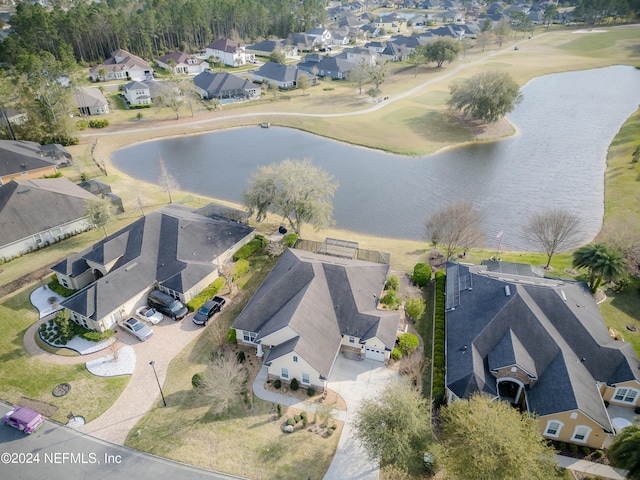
[19, 156]
[221, 82]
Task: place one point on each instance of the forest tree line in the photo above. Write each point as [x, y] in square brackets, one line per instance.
[150, 28]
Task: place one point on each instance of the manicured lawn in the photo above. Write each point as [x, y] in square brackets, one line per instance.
[23, 375]
[622, 309]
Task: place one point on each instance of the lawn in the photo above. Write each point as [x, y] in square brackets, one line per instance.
[22, 375]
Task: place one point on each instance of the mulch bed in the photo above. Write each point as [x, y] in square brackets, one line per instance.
[28, 279]
[43, 408]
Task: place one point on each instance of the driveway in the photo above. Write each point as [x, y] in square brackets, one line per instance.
[355, 380]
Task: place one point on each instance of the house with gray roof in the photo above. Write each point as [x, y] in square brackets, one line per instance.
[137, 93]
[122, 65]
[311, 306]
[225, 85]
[323, 66]
[182, 63]
[20, 159]
[284, 76]
[267, 47]
[541, 344]
[229, 52]
[36, 213]
[174, 249]
[91, 101]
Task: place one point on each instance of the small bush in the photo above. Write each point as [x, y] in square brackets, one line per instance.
[99, 123]
[421, 274]
[82, 124]
[415, 308]
[277, 383]
[59, 289]
[206, 294]
[637, 410]
[392, 283]
[231, 336]
[333, 426]
[562, 446]
[297, 418]
[329, 432]
[573, 448]
[240, 356]
[311, 391]
[279, 409]
[291, 421]
[586, 450]
[391, 300]
[97, 336]
[247, 250]
[396, 354]
[196, 381]
[291, 239]
[303, 415]
[294, 384]
[440, 274]
[598, 454]
[408, 343]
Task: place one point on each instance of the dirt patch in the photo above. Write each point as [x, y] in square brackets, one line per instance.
[330, 398]
[28, 279]
[43, 408]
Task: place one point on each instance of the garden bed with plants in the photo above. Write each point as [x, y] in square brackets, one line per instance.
[60, 331]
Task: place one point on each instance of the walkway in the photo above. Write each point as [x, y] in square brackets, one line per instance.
[591, 468]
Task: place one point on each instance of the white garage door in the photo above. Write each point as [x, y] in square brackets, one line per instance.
[374, 354]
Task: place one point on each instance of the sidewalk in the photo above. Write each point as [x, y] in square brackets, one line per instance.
[596, 469]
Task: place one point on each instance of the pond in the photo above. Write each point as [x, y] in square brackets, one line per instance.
[565, 123]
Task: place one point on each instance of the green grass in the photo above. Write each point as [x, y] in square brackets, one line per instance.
[598, 45]
[622, 309]
[24, 375]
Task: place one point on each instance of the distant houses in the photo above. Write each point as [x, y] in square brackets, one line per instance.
[122, 65]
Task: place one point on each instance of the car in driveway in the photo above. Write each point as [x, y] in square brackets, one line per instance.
[24, 419]
[149, 314]
[208, 310]
[137, 328]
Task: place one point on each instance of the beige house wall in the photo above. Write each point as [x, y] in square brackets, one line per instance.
[608, 393]
[295, 369]
[279, 337]
[595, 439]
[35, 173]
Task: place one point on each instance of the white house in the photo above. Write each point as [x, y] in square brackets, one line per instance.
[182, 63]
[230, 52]
[137, 93]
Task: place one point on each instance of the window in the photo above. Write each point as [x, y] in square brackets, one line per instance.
[295, 359]
[284, 372]
[581, 433]
[306, 380]
[56, 232]
[553, 428]
[37, 238]
[626, 395]
[352, 340]
[63, 281]
[248, 336]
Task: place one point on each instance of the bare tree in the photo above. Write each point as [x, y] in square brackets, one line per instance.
[100, 213]
[222, 382]
[170, 96]
[457, 226]
[359, 74]
[167, 181]
[553, 230]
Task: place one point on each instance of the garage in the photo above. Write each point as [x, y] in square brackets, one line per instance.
[374, 354]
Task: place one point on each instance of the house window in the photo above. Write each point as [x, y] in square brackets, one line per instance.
[56, 232]
[295, 359]
[581, 433]
[249, 336]
[37, 238]
[553, 428]
[284, 373]
[352, 340]
[306, 380]
[63, 281]
[626, 395]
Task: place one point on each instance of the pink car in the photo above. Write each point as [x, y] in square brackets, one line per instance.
[24, 419]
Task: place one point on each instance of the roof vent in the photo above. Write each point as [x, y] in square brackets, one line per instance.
[564, 297]
[507, 290]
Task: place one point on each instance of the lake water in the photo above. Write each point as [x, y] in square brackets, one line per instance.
[566, 123]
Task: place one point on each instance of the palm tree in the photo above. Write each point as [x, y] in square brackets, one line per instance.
[624, 452]
[603, 262]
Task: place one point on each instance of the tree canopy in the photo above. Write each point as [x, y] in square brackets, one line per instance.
[487, 96]
[296, 190]
[441, 49]
[624, 452]
[395, 426]
[603, 262]
[553, 230]
[483, 438]
[457, 226]
[100, 213]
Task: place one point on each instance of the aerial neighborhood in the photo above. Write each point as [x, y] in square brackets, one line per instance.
[196, 269]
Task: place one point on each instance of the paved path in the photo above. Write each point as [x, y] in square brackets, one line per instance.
[591, 468]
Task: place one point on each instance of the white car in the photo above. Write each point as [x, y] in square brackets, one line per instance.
[149, 314]
[135, 327]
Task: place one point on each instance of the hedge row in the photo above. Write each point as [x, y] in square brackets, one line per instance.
[206, 294]
[438, 341]
[250, 248]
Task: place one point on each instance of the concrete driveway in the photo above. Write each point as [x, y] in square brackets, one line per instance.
[356, 380]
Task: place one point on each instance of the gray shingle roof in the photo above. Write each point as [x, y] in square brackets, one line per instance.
[19, 156]
[550, 328]
[89, 97]
[220, 83]
[320, 298]
[280, 72]
[28, 207]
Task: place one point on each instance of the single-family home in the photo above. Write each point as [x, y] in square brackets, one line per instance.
[395, 53]
[91, 101]
[335, 67]
[449, 30]
[376, 47]
[137, 93]
[391, 24]
[370, 30]
[222, 85]
[122, 65]
[230, 52]
[314, 304]
[338, 40]
[267, 47]
[284, 76]
[20, 159]
[356, 55]
[174, 249]
[36, 213]
[321, 36]
[541, 344]
[11, 117]
[181, 63]
[301, 41]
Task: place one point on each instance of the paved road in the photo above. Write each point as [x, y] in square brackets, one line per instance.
[56, 452]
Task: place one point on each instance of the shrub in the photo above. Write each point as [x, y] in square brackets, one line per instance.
[573, 448]
[311, 391]
[97, 336]
[82, 124]
[294, 384]
[99, 123]
[59, 289]
[231, 336]
[333, 426]
[408, 343]
[241, 267]
[279, 409]
[240, 357]
[440, 274]
[291, 239]
[598, 454]
[291, 421]
[391, 300]
[562, 446]
[392, 283]
[421, 274]
[277, 383]
[249, 249]
[330, 431]
[637, 410]
[396, 354]
[64, 324]
[196, 380]
[586, 450]
[200, 299]
[297, 418]
[415, 308]
[304, 415]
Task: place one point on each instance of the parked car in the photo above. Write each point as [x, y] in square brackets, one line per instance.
[149, 314]
[166, 304]
[24, 419]
[207, 311]
[135, 327]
